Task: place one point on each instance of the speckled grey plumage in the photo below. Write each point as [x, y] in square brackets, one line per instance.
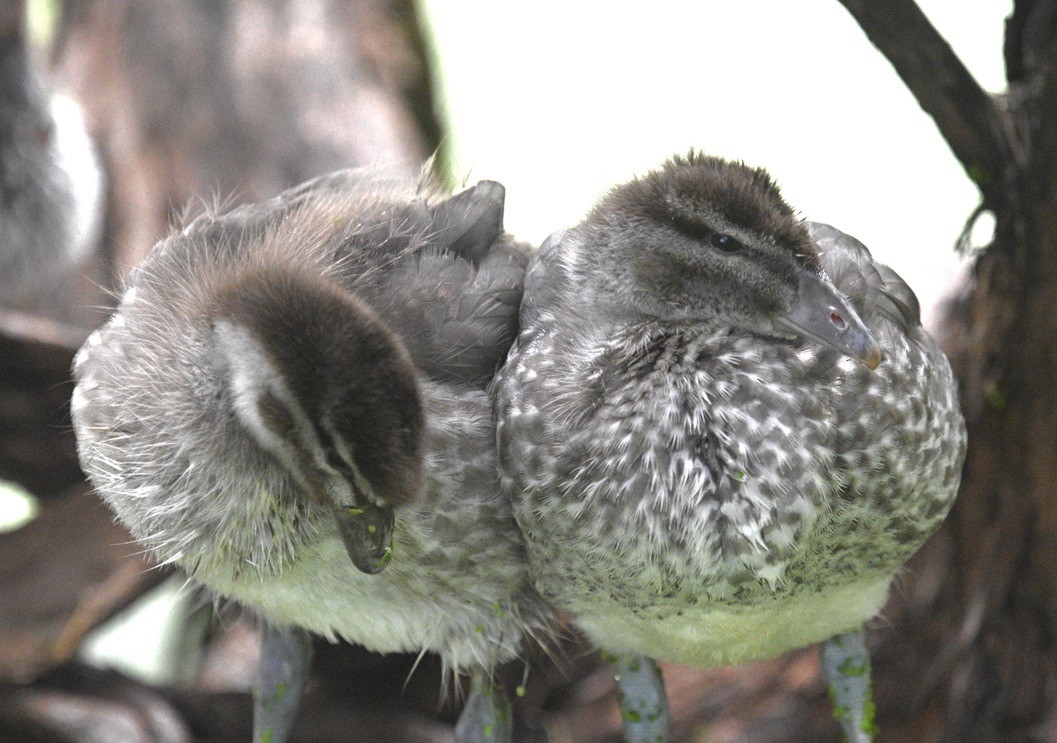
[160, 441]
[695, 483]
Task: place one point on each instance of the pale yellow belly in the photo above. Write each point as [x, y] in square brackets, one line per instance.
[713, 635]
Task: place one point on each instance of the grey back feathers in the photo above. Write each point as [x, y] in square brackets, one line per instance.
[865, 282]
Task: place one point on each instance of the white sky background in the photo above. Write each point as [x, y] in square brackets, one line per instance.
[561, 99]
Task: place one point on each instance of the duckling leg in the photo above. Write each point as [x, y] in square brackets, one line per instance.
[487, 717]
[286, 655]
[643, 701]
[846, 663]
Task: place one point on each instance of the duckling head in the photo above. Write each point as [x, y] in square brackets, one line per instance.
[706, 240]
[322, 385]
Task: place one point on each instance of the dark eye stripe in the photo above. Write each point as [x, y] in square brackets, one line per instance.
[331, 453]
[339, 465]
[702, 232]
[690, 228]
[323, 435]
[278, 418]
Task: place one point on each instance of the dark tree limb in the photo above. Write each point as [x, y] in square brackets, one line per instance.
[1039, 68]
[1029, 32]
[984, 648]
[37, 447]
[969, 118]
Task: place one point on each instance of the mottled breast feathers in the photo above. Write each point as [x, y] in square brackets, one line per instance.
[679, 478]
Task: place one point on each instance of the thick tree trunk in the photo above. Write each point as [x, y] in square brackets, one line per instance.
[987, 669]
[234, 101]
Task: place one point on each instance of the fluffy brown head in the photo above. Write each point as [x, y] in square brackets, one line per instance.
[699, 239]
[348, 374]
[701, 195]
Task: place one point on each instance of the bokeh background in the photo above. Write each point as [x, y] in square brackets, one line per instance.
[188, 104]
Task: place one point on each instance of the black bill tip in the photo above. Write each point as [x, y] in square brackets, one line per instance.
[367, 532]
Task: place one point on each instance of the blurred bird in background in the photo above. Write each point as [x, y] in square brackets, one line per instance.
[51, 185]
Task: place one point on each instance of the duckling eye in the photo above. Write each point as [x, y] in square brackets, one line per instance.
[723, 242]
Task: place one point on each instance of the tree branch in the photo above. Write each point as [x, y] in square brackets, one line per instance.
[1039, 65]
[966, 115]
[1030, 32]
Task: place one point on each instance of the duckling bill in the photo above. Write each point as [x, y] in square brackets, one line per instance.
[367, 532]
[823, 314]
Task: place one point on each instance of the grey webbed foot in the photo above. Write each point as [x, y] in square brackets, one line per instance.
[286, 655]
[487, 717]
[846, 663]
[643, 701]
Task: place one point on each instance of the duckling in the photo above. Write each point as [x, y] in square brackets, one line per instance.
[290, 404]
[724, 430]
[50, 183]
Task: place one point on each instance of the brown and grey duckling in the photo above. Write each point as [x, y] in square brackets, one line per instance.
[724, 430]
[290, 404]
